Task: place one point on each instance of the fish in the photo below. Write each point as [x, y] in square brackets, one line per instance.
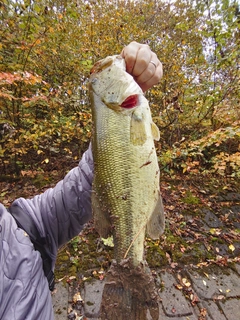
[126, 198]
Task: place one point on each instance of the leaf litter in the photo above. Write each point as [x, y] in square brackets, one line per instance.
[187, 241]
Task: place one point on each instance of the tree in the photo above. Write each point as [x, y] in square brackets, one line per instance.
[48, 48]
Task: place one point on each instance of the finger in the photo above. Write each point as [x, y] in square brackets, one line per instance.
[152, 81]
[142, 64]
[136, 56]
[150, 68]
[129, 54]
[151, 75]
[143, 58]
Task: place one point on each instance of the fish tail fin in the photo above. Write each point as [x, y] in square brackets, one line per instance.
[129, 293]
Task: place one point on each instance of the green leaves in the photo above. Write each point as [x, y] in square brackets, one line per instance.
[47, 49]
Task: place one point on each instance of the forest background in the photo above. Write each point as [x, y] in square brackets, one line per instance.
[47, 49]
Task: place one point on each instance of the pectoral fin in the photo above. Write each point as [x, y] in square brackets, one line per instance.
[101, 218]
[155, 131]
[138, 133]
[156, 224]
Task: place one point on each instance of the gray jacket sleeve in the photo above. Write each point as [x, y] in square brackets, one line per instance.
[61, 212]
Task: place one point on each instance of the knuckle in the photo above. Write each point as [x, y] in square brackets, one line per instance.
[156, 77]
[154, 56]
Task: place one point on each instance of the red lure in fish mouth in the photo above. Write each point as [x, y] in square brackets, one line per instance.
[130, 102]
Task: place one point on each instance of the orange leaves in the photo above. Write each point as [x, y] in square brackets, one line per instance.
[10, 82]
[190, 166]
[7, 78]
[59, 43]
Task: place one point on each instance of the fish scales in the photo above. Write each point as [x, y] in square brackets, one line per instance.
[112, 184]
[126, 196]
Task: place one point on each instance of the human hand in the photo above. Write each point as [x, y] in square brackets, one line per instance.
[142, 64]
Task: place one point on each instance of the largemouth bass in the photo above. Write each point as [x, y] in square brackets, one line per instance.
[126, 196]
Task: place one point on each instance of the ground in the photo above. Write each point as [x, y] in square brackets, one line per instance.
[196, 261]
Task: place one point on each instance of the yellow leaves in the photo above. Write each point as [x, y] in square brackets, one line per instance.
[54, 51]
[186, 283]
[231, 247]
[215, 231]
[77, 297]
[45, 161]
[223, 161]
[179, 286]
[6, 95]
[175, 67]
[67, 150]
[235, 158]
[108, 241]
[1, 151]
[191, 156]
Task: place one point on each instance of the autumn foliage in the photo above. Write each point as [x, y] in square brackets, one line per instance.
[48, 47]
